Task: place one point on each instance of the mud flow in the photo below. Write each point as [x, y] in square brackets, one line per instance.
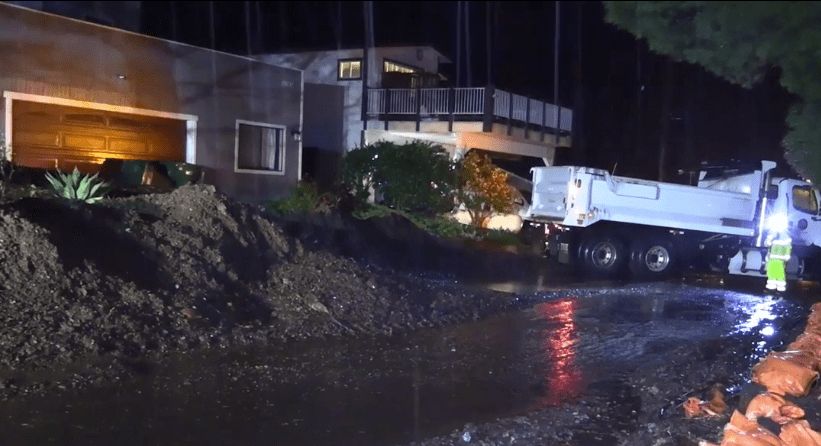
[580, 367]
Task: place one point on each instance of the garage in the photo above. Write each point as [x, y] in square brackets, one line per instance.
[50, 136]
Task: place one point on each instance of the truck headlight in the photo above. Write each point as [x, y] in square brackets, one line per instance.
[777, 223]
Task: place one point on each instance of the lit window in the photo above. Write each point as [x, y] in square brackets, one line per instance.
[393, 67]
[350, 69]
[260, 147]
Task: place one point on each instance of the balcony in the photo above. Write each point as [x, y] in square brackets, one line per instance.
[484, 104]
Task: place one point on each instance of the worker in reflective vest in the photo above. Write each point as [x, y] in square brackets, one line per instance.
[779, 254]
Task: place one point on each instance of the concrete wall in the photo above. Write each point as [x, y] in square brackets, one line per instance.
[52, 56]
[320, 67]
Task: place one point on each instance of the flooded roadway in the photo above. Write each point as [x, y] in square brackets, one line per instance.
[395, 390]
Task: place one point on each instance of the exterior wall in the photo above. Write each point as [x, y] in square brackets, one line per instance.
[320, 67]
[322, 142]
[56, 57]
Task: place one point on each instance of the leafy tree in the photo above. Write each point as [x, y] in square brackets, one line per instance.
[483, 189]
[740, 41]
[414, 176]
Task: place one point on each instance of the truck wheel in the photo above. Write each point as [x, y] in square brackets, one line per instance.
[603, 255]
[652, 258]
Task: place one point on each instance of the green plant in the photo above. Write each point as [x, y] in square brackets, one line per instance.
[416, 176]
[448, 228]
[483, 189]
[304, 198]
[438, 226]
[358, 168]
[6, 170]
[73, 186]
[504, 238]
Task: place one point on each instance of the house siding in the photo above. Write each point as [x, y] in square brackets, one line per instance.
[320, 67]
[48, 55]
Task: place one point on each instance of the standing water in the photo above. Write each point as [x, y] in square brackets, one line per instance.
[390, 390]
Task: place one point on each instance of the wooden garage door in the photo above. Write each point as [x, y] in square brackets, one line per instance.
[51, 136]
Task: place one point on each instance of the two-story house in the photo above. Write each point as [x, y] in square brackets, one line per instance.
[408, 99]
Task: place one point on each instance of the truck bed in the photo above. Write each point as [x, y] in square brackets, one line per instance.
[582, 196]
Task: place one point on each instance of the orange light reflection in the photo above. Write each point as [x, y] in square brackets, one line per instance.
[563, 379]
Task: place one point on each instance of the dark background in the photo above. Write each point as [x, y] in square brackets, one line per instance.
[614, 84]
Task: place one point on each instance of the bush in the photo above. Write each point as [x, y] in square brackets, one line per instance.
[504, 238]
[358, 167]
[74, 187]
[6, 170]
[414, 177]
[483, 189]
[304, 198]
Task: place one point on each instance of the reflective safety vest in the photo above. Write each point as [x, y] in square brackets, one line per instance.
[781, 249]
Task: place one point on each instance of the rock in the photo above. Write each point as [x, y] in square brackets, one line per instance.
[317, 306]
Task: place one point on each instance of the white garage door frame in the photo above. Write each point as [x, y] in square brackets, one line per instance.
[190, 120]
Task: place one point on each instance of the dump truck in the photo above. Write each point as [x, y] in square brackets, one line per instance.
[610, 226]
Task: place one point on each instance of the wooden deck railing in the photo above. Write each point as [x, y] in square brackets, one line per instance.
[486, 104]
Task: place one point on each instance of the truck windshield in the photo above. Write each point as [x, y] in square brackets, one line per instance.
[803, 199]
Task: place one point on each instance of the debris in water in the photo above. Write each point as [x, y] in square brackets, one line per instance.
[716, 407]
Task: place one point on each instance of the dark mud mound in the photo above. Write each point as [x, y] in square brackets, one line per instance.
[395, 242]
[191, 268]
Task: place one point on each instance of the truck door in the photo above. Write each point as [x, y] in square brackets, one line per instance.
[805, 220]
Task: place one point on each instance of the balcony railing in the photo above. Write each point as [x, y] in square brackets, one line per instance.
[485, 103]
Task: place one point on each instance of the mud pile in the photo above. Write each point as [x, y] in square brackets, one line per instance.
[192, 269]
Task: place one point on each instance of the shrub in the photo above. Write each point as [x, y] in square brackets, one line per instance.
[6, 170]
[483, 189]
[358, 168]
[416, 176]
[304, 198]
[504, 238]
[74, 187]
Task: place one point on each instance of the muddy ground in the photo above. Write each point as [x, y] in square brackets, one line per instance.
[130, 279]
[93, 293]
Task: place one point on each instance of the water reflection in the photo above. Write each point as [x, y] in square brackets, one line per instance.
[563, 379]
[758, 311]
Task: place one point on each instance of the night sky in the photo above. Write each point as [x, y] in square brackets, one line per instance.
[602, 70]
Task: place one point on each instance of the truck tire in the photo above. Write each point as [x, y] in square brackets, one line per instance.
[652, 258]
[603, 255]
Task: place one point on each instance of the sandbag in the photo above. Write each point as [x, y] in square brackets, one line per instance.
[799, 357]
[742, 431]
[774, 407]
[782, 376]
[814, 320]
[807, 342]
[799, 433]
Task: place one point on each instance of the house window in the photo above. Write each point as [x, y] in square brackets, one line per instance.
[350, 69]
[390, 66]
[260, 147]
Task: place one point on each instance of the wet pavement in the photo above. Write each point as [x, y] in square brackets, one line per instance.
[395, 390]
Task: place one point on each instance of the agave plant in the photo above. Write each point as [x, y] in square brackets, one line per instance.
[73, 186]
